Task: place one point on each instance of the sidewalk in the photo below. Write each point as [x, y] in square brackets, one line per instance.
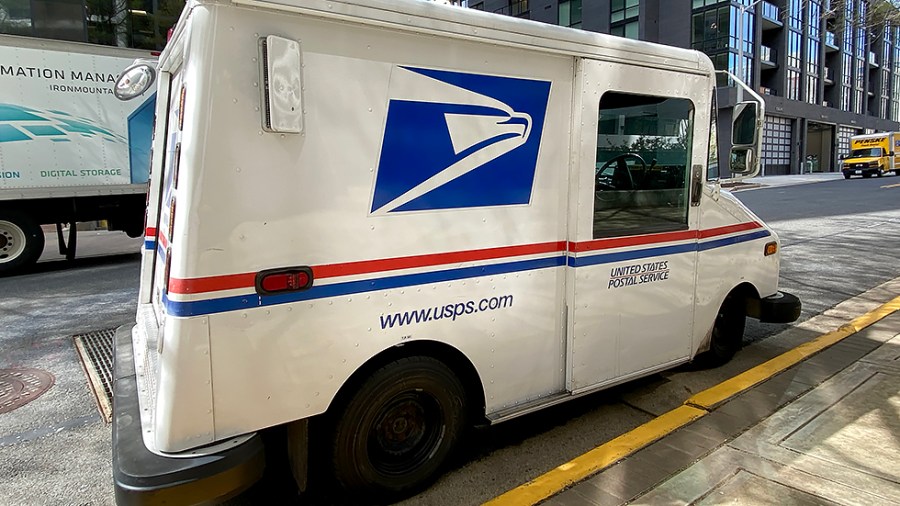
[824, 431]
[788, 180]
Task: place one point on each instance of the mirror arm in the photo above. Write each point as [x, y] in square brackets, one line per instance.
[760, 121]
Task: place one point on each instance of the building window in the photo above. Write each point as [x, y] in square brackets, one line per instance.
[623, 10]
[706, 3]
[105, 22]
[814, 21]
[570, 13]
[749, 33]
[859, 87]
[630, 30]
[793, 84]
[623, 18]
[795, 14]
[517, 8]
[711, 29]
[793, 53]
[895, 100]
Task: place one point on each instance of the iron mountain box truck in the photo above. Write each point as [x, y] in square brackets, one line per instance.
[69, 150]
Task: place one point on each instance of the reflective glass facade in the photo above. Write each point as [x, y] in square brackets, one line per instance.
[139, 24]
[824, 74]
[624, 18]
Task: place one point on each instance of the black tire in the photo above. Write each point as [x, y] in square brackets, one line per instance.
[396, 431]
[727, 333]
[21, 241]
[846, 176]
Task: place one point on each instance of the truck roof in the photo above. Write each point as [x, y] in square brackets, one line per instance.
[871, 136]
[424, 16]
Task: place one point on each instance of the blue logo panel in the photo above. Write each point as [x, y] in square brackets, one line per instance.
[474, 144]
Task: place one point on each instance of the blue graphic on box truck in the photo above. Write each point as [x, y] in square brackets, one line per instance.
[140, 136]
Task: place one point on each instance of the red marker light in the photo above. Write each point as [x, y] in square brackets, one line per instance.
[283, 280]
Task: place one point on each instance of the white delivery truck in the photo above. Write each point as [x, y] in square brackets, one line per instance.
[69, 150]
[379, 222]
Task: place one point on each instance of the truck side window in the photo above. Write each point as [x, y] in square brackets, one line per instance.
[643, 160]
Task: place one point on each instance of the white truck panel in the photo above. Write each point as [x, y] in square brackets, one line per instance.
[62, 127]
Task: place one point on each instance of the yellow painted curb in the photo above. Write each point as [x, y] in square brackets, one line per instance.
[712, 397]
[697, 406]
[594, 460]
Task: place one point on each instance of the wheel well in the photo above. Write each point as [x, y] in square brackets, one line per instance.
[750, 295]
[450, 356]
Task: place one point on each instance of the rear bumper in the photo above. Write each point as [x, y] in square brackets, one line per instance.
[145, 478]
[782, 307]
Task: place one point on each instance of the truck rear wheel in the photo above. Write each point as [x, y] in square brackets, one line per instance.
[398, 428]
[21, 242]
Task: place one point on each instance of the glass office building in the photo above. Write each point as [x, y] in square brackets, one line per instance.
[139, 24]
[825, 72]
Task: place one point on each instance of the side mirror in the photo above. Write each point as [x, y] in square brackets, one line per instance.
[742, 161]
[135, 80]
[744, 130]
[745, 141]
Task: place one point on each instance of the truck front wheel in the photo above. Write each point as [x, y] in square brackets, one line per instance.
[21, 241]
[727, 333]
[398, 428]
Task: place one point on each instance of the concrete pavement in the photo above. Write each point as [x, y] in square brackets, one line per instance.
[823, 431]
[758, 182]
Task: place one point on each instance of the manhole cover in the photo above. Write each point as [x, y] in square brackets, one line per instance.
[18, 387]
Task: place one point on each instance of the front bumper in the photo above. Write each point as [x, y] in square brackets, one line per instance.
[145, 478]
[861, 171]
[782, 307]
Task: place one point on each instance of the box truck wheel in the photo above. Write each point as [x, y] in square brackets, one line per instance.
[727, 333]
[21, 241]
[398, 427]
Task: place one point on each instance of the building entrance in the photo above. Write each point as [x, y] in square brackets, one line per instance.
[820, 148]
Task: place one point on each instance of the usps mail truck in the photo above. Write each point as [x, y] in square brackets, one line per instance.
[373, 224]
[69, 150]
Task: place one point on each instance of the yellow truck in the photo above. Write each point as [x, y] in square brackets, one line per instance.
[873, 154]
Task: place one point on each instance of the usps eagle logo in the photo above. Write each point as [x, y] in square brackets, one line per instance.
[454, 140]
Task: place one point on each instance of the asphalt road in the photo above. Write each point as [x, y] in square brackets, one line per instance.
[838, 240]
[56, 449]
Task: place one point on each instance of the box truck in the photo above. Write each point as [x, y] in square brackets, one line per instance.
[375, 223]
[872, 155]
[69, 150]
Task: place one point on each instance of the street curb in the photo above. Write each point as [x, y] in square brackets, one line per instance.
[694, 408]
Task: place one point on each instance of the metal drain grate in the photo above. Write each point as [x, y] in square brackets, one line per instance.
[96, 352]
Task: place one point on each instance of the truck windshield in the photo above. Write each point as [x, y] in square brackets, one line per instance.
[859, 153]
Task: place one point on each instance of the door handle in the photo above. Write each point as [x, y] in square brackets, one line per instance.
[696, 184]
